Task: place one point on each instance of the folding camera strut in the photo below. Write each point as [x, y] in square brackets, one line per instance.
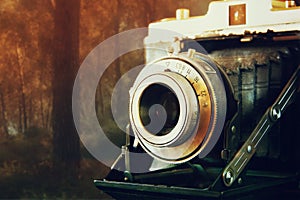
[237, 165]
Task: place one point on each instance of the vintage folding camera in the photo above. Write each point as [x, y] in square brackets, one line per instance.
[215, 111]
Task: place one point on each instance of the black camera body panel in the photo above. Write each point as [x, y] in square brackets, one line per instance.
[258, 70]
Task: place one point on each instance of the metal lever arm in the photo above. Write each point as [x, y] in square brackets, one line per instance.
[273, 113]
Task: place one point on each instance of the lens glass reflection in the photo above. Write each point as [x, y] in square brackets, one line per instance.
[159, 109]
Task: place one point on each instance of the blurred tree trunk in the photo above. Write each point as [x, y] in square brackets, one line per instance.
[66, 147]
[49, 112]
[30, 117]
[42, 110]
[41, 99]
[117, 42]
[22, 102]
[3, 112]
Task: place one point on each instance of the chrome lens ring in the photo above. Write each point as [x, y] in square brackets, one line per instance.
[198, 85]
[188, 109]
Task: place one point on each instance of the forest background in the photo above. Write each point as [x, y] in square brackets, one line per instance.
[43, 43]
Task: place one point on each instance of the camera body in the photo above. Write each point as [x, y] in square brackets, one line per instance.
[216, 105]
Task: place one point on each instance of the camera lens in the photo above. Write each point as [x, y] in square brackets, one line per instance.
[177, 107]
[164, 110]
[159, 109]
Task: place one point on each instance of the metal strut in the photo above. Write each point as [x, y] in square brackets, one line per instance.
[273, 113]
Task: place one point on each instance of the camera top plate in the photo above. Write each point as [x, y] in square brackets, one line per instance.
[238, 17]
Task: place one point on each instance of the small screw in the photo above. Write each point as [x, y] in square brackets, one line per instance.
[228, 178]
[275, 113]
[249, 148]
[240, 181]
[233, 129]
